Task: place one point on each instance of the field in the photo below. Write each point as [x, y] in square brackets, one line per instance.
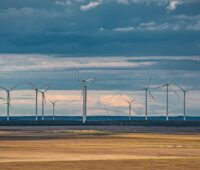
[99, 148]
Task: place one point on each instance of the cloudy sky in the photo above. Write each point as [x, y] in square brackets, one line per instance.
[118, 78]
[100, 27]
[121, 42]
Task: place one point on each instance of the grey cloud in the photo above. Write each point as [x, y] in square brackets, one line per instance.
[180, 22]
[29, 27]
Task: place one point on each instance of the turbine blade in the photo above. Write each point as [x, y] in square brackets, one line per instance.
[94, 79]
[176, 94]
[44, 85]
[190, 89]
[78, 80]
[193, 88]
[141, 89]
[3, 88]
[149, 81]
[15, 86]
[48, 88]
[179, 86]
[11, 108]
[164, 85]
[126, 100]
[78, 75]
[81, 93]
[132, 101]
[151, 95]
[169, 78]
[3, 99]
[174, 91]
[51, 101]
[33, 86]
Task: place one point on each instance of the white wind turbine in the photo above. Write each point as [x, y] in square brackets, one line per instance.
[130, 102]
[8, 99]
[84, 83]
[147, 91]
[44, 99]
[54, 106]
[36, 97]
[185, 91]
[167, 85]
[107, 110]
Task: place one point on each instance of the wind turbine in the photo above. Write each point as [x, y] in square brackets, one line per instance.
[8, 100]
[84, 83]
[130, 102]
[147, 91]
[36, 97]
[185, 91]
[54, 105]
[107, 110]
[44, 99]
[167, 85]
[5, 103]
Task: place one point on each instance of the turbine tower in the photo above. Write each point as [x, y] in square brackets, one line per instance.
[167, 85]
[130, 102]
[106, 111]
[147, 91]
[54, 106]
[44, 99]
[185, 91]
[84, 83]
[36, 97]
[8, 100]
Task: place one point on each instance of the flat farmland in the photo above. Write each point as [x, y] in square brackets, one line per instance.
[83, 148]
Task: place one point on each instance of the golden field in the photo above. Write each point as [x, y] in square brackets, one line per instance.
[105, 149]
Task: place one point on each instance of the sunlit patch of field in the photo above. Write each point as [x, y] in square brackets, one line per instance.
[93, 149]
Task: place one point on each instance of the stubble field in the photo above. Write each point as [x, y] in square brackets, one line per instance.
[117, 148]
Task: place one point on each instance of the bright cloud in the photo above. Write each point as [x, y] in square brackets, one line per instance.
[171, 4]
[91, 5]
[124, 29]
[117, 101]
[174, 3]
[9, 62]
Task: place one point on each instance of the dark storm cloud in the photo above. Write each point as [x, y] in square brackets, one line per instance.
[109, 28]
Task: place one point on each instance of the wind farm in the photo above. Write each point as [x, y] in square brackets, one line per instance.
[99, 84]
[119, 113]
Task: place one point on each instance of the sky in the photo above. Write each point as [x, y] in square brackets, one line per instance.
[100, 27]
[121, 42]
[119, 78]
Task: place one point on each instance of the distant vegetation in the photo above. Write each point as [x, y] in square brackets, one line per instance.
[172, 123]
